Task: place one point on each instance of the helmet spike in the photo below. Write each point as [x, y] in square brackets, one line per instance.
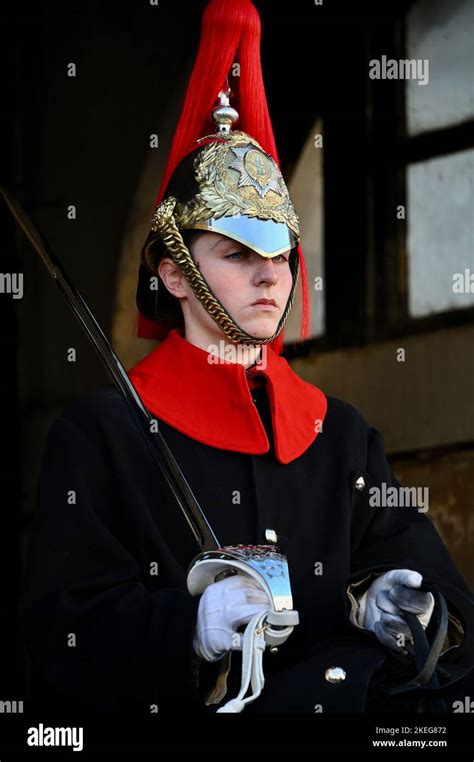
[224, 115]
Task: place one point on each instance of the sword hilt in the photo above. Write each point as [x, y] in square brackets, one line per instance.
[263, 563]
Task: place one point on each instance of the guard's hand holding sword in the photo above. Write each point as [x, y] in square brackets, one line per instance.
[224, 607]
[257, 595]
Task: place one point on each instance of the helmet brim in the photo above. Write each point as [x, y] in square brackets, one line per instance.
[266, 237]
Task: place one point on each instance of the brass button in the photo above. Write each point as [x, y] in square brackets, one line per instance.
[360, 483]
[335, 675]
[271, 536]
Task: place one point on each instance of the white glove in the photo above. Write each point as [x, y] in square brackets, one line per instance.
[387, 598]
[224, 607]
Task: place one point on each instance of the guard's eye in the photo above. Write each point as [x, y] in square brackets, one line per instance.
[236, 254]
[280, 258]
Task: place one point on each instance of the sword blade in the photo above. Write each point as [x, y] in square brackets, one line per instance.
[143, 419]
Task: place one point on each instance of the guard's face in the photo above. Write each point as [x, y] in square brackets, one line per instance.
[239, 277]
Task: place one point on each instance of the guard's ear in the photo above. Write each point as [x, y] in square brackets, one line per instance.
[172, 277]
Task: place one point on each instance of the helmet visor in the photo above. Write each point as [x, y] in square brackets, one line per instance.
[266, 237]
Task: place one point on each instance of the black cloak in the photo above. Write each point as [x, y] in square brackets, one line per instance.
[105, 608]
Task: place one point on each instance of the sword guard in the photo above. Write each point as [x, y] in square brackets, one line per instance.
[269, 568]
[264, 563]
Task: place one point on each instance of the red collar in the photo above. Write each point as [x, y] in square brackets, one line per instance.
[212, 402]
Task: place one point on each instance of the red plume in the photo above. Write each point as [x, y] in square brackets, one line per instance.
[230, 34]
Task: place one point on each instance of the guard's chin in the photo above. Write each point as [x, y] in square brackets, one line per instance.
[261, 328]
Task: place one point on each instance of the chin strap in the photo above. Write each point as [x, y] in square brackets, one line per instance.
[266, 628]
